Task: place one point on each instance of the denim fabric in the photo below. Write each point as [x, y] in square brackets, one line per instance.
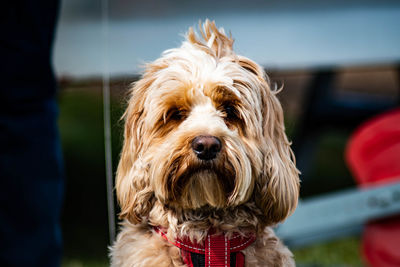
[31, 168]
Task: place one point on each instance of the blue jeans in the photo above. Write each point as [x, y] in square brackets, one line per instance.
[31, 167]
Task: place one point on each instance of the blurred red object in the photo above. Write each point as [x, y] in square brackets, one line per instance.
[373, 156]
[373, 152]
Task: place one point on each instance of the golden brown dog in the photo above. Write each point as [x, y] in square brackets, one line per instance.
[205, 150]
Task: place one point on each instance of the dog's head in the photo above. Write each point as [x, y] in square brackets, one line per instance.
[204, 129]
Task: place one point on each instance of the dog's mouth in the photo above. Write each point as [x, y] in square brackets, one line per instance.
[202, 184]
[209, 169]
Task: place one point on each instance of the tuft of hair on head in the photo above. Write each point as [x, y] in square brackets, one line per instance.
[214, 41]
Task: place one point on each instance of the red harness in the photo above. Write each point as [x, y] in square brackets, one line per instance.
[218, 250]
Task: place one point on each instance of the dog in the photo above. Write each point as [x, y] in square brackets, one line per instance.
[206, 167]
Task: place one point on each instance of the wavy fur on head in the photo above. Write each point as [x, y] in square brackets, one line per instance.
[204, 88]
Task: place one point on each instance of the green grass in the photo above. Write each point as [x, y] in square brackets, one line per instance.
[81, 123]
[84, 218]
[342, 252]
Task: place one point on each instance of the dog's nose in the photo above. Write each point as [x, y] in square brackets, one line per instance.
[206, 147]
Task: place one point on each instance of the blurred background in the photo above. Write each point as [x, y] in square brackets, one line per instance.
[337, 60]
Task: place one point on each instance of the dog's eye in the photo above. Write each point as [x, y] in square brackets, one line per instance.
[176, 115]
[173, 115]
[230, 112]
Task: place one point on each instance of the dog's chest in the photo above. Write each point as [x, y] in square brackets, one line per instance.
[198, 260]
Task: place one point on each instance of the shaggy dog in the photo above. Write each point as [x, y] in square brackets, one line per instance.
[205, 156]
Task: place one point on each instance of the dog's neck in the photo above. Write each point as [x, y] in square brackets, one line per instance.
[196, 224]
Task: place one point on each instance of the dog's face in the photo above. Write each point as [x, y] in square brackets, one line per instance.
[203, 129]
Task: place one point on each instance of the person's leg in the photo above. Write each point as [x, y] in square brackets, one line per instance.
[31, 170]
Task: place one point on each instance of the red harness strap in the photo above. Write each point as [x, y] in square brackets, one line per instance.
[217, 249]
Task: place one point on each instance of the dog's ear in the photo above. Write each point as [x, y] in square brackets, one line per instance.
[277, 189]
[133, 188]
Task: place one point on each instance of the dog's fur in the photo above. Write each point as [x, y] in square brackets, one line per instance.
[203, 88]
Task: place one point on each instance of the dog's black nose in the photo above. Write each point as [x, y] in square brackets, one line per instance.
[206, 147]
